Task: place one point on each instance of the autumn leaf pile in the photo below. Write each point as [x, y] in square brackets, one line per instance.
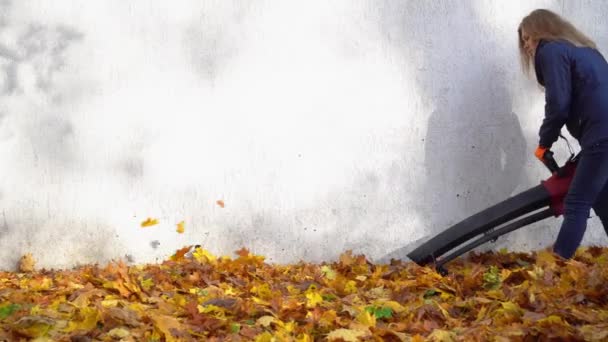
[195, 296]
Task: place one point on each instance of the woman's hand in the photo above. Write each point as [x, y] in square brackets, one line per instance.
[540, 153]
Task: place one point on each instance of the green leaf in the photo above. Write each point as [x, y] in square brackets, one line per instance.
[384, 313]
[7, 310]
[329, 297]
[147, 284]
[235, 328]
[328, 272]
[430, 293]
[491, 279]
[380, 312]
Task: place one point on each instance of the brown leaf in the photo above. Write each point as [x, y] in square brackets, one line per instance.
[180, 253]
[33, 326]
[227, 303]
[167, 325]
[123, 316]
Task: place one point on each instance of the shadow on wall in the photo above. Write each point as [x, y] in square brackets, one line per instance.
[474, 153]
[475, 149]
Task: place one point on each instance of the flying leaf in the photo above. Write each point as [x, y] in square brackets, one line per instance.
[180, 227]
[149, 222]
[180, 253]
[27, 263]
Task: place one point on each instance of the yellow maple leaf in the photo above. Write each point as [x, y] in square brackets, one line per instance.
[303, 338]
[149, 222]
[213, 310]
[166, 325]
[328, 318]
[552, 319]
[109, 303]
[119, 286]
[512, 308]
[263, 291]
[350, 287]
[260, 301]
[41, 284]
[313, 298]
[288, 327]
[180, 227]
[89, 318]
[366, 318]
[264, 337]
[348, 335]
[204, 256]
[33, 326]
[439, 335]
[545, 257]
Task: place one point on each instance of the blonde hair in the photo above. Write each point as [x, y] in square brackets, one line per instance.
[547, 25]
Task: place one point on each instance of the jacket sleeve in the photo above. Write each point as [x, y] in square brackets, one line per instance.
[554, 65]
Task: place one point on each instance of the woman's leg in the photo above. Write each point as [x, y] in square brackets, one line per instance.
[589, 180]
[601, 207]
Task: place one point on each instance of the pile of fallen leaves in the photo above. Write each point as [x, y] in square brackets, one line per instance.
[195, 296]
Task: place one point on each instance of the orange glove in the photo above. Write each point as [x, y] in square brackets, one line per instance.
[540, 153]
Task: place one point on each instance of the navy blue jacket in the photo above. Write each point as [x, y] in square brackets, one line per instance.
[576, 92]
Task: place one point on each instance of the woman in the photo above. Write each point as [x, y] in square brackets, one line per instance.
[575, 77]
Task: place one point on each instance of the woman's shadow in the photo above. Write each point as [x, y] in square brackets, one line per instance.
[475, 153]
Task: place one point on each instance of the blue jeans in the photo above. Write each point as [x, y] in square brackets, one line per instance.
[589, 189]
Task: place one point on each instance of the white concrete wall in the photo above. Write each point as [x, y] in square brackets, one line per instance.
[322, 125]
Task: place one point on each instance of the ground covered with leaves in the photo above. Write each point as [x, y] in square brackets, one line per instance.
[195, 296]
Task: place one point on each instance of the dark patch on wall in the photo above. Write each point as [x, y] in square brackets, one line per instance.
[133, 168]
[215, 38]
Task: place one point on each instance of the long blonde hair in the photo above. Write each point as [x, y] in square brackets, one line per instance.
[547, 25]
